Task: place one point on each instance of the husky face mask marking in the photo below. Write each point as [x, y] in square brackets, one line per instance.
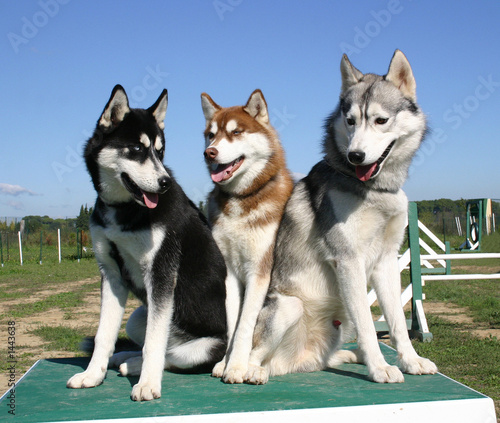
[129, 152]
[376, 115]
[237, 141]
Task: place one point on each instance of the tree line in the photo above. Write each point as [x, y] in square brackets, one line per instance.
[33, 224]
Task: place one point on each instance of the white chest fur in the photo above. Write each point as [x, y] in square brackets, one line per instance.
[373, 225]
[138, 249]
[243, 244]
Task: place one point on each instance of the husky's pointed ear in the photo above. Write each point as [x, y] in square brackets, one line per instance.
[115, 110]
[257, 107]
[208, 106]
[159, 109]
[401, 75]
[350, 75]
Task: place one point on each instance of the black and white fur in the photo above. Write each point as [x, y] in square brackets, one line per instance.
[151, 240]
[342, 229]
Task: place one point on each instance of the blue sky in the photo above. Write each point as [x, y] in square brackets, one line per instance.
[61, 59]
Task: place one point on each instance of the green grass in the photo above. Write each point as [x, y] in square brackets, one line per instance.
[25, 282]
[18, 282]
[31, 254]
[61, 338]
[463, 357]
[63, 300]
[460, 355]
[481, 297]
[14, 277]
[491, 243]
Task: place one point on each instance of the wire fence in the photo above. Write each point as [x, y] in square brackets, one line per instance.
[61, 239]
[451, 224]
[44, 246]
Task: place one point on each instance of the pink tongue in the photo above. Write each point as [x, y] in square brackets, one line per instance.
[221, 173]
[151, 199]
[365, 172]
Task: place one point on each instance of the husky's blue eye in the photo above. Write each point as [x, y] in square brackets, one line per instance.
[381, 121]
[237, 132]
[137, 148]
[350, 121]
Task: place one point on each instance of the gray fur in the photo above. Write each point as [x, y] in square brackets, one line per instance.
[341, 230]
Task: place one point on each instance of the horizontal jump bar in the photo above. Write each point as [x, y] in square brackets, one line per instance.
[459, 277]
[459, 256]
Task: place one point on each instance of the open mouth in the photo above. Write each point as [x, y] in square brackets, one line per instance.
[366, 172]
[222, 172]
[149, 199]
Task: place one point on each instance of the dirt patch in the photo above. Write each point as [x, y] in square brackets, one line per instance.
[461, 315]
[29, 347]
[449, 312]
[30, 297]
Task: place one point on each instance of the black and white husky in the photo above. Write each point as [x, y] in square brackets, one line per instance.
[342, 228]
[151, 240]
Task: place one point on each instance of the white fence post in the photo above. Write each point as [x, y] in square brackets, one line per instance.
[20, 248]
[59, 243]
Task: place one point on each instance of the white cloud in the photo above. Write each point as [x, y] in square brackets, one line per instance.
[16, 205]
[9, 189]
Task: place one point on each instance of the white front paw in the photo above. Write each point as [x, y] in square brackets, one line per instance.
[418, 366]
[86, 379]
[145, 391]
[257, 375]
[234, 374]
[386, 374]
[218, 369]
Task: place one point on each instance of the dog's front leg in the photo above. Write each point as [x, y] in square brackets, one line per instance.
[233, 307]
[351, 278]
[387, 283]
[237, 364]
[154, 350]
[113, 298]
[279, 313]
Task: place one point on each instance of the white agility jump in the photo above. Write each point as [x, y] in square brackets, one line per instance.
[421, 266]
[464, 256]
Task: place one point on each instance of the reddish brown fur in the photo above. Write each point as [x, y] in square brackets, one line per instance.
[274, 185]
[245, 218]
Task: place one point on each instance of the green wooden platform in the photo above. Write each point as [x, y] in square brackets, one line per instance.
[345, 392]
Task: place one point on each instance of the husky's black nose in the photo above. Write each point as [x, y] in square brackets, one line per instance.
[164, 183]
[356, 157]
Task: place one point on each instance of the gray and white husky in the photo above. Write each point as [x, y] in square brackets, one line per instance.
[342, 229]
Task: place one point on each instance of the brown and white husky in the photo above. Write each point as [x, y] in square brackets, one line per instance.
[252, 185]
